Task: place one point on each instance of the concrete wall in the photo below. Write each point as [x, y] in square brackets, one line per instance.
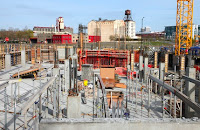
[118, 124]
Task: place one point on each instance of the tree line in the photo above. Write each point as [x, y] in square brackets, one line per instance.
[16, 35]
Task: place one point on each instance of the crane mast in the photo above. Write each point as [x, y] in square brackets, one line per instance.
[184, 26]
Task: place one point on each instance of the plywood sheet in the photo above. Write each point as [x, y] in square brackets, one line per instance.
[107, 73]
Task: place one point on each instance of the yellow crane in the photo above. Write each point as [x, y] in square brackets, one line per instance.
[184, 25]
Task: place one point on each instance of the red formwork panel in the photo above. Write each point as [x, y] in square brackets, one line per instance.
[104, 58]
[137, 55]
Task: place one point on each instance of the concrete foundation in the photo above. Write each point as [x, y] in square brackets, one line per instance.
[74, 107]
[190, 91]
[7, 61]
[118, 124]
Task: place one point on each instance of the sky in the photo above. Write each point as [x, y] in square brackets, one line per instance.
[30, 13]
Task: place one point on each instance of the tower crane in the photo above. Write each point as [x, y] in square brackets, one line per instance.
[184, 26]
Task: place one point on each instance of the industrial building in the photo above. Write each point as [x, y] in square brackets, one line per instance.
[45, 34]
[151, 35]
[171, 32]
[106, 28]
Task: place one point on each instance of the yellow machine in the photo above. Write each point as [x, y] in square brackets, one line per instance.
[184, 23]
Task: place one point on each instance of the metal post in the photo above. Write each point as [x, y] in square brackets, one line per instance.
[148, 84]
[47, 103]
[136, 92]
[25, 120]
[132, 90]
[111, 100]
[163, 98]
[54, 99]
[5, 106]
[181, 102]
[15, 95]
[170, 93]
[142, 99]
[11, 95]
[58, 92]
[129, 85]
[93, 93]
[34, 115]
[174, 94]
[18, 88]
[40, 108]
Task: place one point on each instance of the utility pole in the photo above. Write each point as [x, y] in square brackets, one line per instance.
[141, 36]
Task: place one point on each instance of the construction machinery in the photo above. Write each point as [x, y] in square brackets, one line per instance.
[184, 24]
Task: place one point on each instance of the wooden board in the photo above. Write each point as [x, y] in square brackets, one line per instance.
[107, 73]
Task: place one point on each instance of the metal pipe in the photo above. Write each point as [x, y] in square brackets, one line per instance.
[195, 106]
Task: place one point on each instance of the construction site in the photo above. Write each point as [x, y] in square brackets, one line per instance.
[102, 85]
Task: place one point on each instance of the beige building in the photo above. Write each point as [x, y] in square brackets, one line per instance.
[75, 38]
[106, 29]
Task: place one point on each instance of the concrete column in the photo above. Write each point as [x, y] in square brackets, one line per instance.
[23, 57]
[66, 72]
[161, 73]
[161, 69]
[7, 61]
[140, 68]
[190, 61]
[56, 71]
[182, 64]
[132, 61]
[146, 60]
[190, 91]
[166, 62]
[73, 107]
[155, 59]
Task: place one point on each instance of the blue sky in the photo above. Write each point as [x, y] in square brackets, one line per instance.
[30, 13]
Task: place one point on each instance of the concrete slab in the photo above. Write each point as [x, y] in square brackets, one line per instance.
[118, 124]
[73, 106]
